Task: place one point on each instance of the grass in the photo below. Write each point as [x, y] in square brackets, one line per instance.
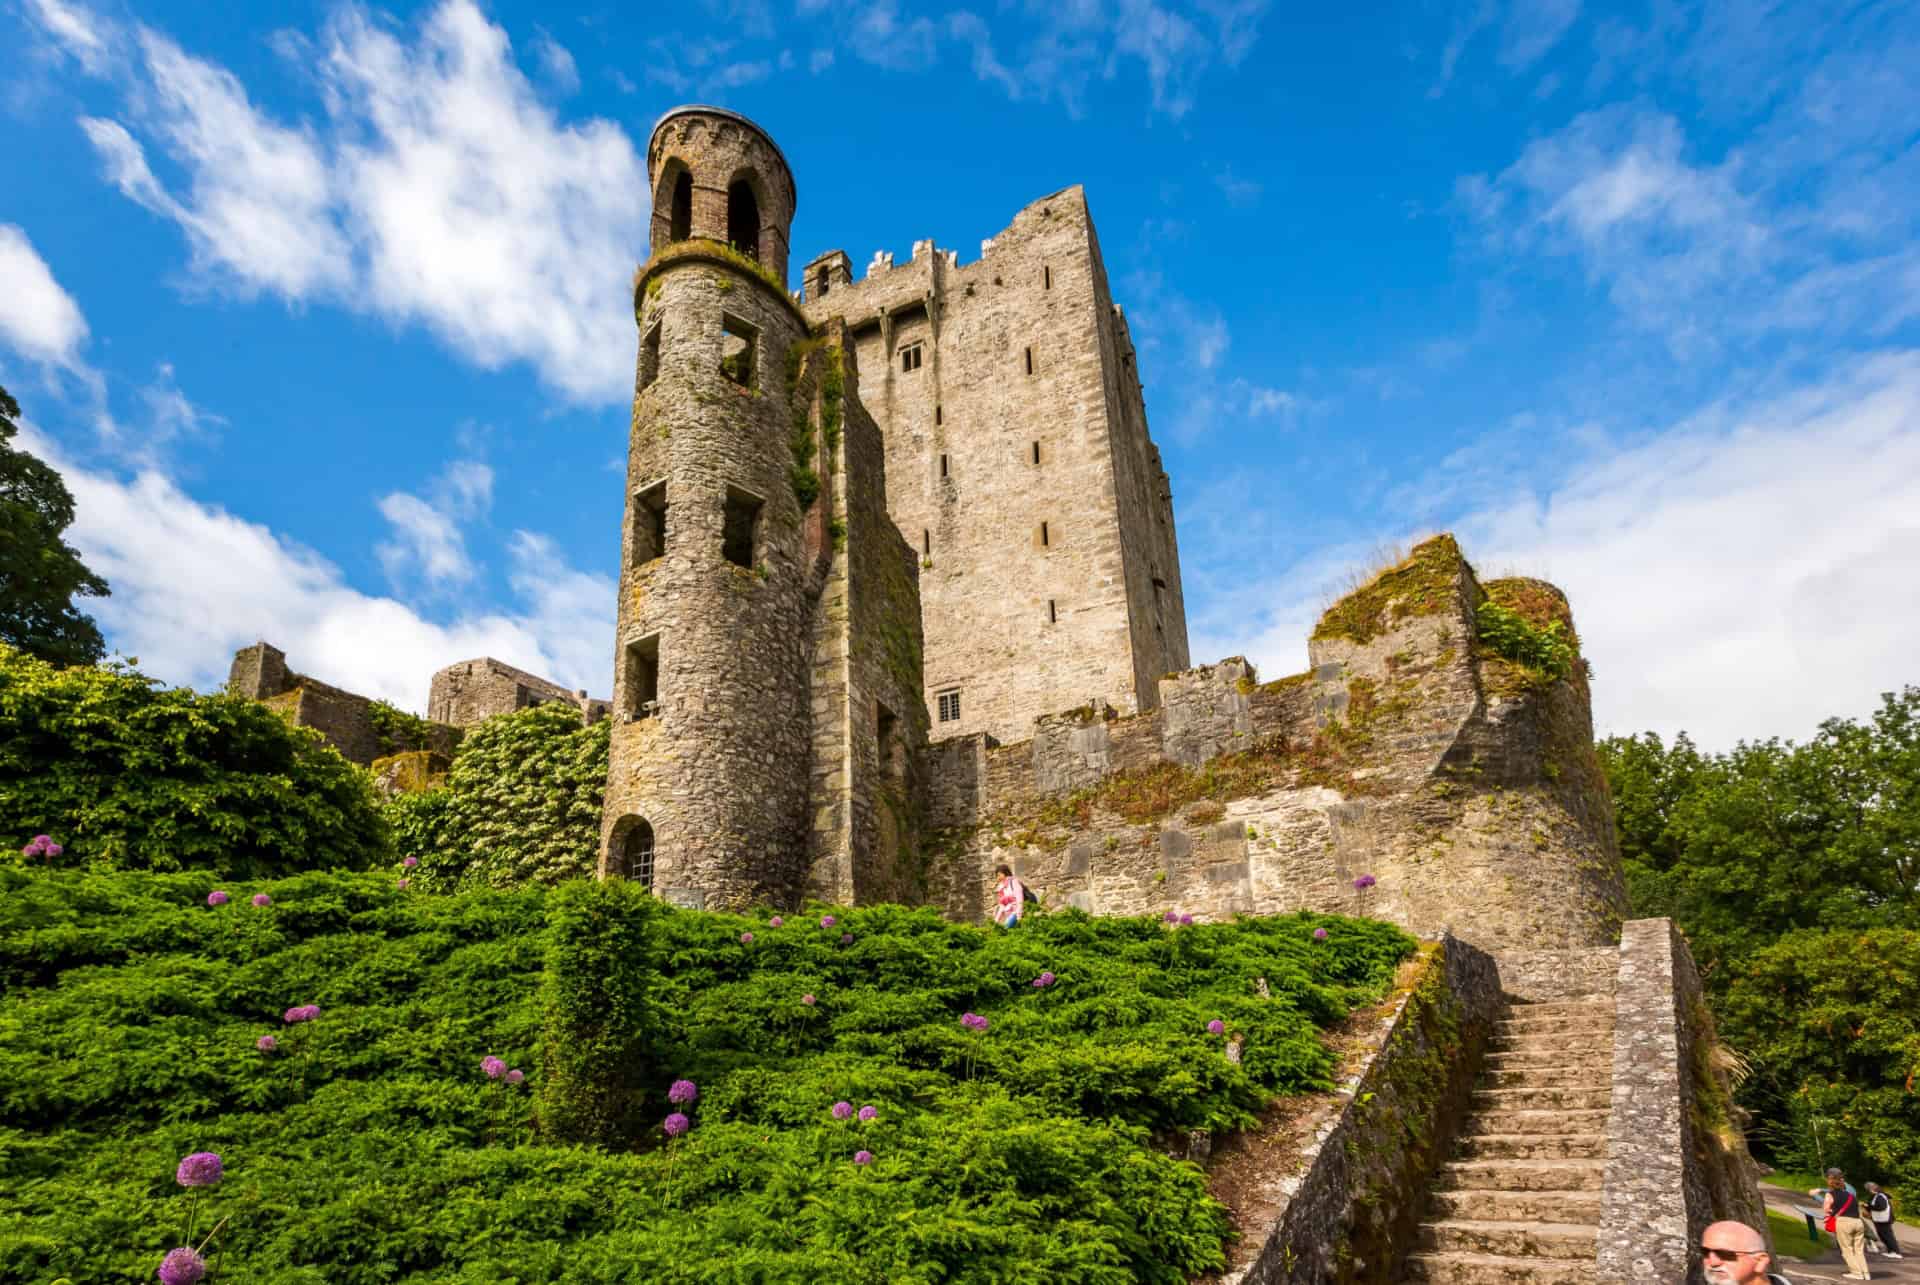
[1801, 1183]
[1790, 1236]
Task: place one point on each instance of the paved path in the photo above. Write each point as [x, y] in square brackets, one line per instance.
[1800, 1261]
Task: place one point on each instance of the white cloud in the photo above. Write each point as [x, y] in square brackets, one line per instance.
[1744, 573]
[74, 29]
[557, 63]
[1532, 28]
[426, 540]
[440, 191]
[192, 583]
[38, 318]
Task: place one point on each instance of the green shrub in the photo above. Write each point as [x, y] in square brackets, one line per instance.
[1035, 1150]
[127, 774]
[598, 999]
[1545, 649]
[521, 804]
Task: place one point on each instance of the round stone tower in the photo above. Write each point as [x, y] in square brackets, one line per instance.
[707, 793]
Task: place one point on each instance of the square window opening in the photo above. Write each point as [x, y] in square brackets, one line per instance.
[650, 356]
[643, 678]
[649, 523]
[910, 358]
[949, 705]
[738, 344]
[740, 527]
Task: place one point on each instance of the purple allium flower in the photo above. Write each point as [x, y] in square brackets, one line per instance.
[1364, 882]
[863, 1157]
[1216, 1027]
[746, 939]
[54, 849]
[516, 1075]
[402, 884]
[1045, 979]
[868, 1113]
[1171, 917]
[775, 922]
[182, 1266]
[675, 1125]
[846, 939]
[409, 862]
[974, 1021]
[1319, 934]
[262, 899]
[828, 921]
[493, 1066]
[42, 846]
[217, 898]
[1185, 920]
[807, 1000]
[683, 1093]
[842, 1110]
[266, 1044]
[201, 1169]
[302, 1013]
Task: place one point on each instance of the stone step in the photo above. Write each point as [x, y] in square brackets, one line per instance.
[1521, 1175]
[1534, 1240]
[1544, 1097]
[1589, 1059]
[1545, 1076]
[1580, 1020]
[1532, 1146]
[1579, 1207]
[1588, 1120]
[1522, 1008]
[1496, 1269]
[1559, 1041]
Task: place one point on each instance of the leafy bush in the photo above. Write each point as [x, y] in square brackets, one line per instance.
[128, 774]
[521, 804]
[598, 996]
[1545, 649]
[1026, 1151]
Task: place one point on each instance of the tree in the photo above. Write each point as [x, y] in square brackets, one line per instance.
[40, 573]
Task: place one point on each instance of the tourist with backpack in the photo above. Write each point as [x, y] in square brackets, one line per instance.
[1879, 1206]
[1840, 1205]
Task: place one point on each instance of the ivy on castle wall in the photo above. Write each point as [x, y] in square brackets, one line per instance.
[521, 804]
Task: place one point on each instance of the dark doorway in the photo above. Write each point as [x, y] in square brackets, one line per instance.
[743, 219]
[681, 216]
[631, 852]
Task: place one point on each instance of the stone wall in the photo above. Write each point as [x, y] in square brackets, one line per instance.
[347, 720]
[1465, 784]
[472, 691]
[1019, 469]
[1352, 1215]
[1676, 1158]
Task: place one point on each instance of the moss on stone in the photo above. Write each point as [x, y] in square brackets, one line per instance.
[1424, 583]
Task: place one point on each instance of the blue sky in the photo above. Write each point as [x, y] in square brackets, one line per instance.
[323, 309]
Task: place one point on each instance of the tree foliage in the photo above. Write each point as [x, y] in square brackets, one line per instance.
[598, 993]
[40, 573]
[128, 774]
[1794, 870]
[521, 803]
[370, 1147]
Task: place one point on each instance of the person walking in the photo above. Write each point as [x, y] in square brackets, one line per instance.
[1010, 898]
[1879, 1207]
[1735, 1254]
[1841, 1206]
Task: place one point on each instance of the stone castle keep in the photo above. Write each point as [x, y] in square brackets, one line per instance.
[900, 601]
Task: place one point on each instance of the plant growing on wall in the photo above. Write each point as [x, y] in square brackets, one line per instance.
[1545, 649]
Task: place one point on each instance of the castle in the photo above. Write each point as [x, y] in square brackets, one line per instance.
[900, 601]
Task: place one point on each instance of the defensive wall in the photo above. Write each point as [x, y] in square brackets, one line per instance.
[1462, 781]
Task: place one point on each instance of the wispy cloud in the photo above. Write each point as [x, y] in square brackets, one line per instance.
[426, 544]
[38, 318]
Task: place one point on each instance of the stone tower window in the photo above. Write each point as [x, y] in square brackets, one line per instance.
[820, 282]
[738, 341]
[1044, 540]
[910, 358]
[949, 703]
[891, 754]
[1029, 361]
[1046, 278]
[926, 542]
[1053, 615]
[936, 413]
[650, 356]
[943, 466]
[630, 855]
[680, 219]
[1036, 452]
[740, 528]
[650, 523]
[643, 678]
[743, 219]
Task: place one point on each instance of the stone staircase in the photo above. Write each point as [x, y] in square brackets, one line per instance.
[1519, 1202]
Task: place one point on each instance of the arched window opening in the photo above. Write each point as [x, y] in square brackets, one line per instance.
[681, 211]
[743, 219]
[631, 855]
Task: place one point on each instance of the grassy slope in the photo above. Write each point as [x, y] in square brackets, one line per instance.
[371, 1148]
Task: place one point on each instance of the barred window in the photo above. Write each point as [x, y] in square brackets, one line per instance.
[949, 706]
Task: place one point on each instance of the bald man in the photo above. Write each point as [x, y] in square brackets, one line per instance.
[1736, 1254]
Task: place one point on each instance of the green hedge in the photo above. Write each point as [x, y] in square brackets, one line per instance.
[127, 774]
[521, 804]
[372, 1148]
